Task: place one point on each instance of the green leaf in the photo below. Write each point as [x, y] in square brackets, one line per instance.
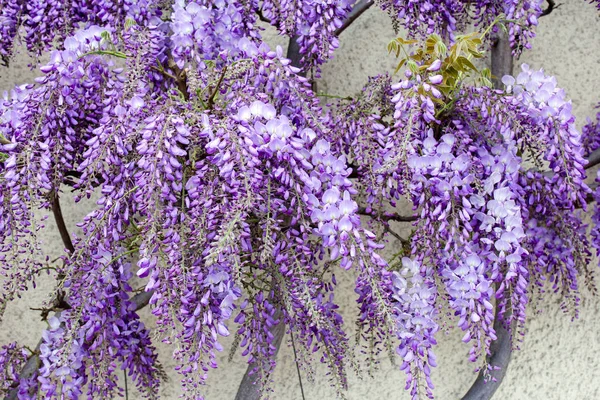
[106, 36]
[455, 52]
[3, 157]
[466, 64]
[210, 63]
[418, 56]
[392, 46]
[129, 23]
[405, 42]
[400, 64]
[440, 49]
[412, 65]
[445, 89]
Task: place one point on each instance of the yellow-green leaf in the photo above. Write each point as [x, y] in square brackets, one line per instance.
[412, 65]
[440, 49]
[405, 41]
[466, 63]
[392, 46]
[400, 64]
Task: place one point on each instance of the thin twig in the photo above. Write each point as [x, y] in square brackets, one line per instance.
[211, 99]
[388, 216]
[163, 72]
[397, 236]
[126, 388]
[297, 365]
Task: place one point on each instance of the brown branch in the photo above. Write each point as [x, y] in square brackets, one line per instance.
[249, 388]
[357, 10]
[593, 159]
[142, 299]
[60, 222]
[486, 384]
[262, 17]
[551, 7]
[211, 99]
[388, 216]
[402, 240]
[180, 78]
[501, 348]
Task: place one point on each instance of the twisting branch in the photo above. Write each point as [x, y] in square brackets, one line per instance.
[501, 348]
[249, 388]
[551, 7]
[262, 17]
[404, 242]
[500, 352]
[60, 222]
[357, 10]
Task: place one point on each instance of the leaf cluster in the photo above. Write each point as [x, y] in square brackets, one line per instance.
[456, 61]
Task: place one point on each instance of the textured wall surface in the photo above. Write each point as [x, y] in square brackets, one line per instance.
[558, 358]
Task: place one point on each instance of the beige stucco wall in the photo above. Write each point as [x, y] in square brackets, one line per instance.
[559, 358]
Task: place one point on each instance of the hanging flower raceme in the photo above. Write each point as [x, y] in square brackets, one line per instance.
[591, 134]
[10, 20]
[12, 359]
[591, 142]
[45, 129]
[204, 31]
[414, 305]
[462, 156]
[46, 22]
[238, 201]
[312, 23]
[101, 332]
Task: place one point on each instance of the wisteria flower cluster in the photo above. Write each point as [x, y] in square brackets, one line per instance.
[229, 197]
[496, 225]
